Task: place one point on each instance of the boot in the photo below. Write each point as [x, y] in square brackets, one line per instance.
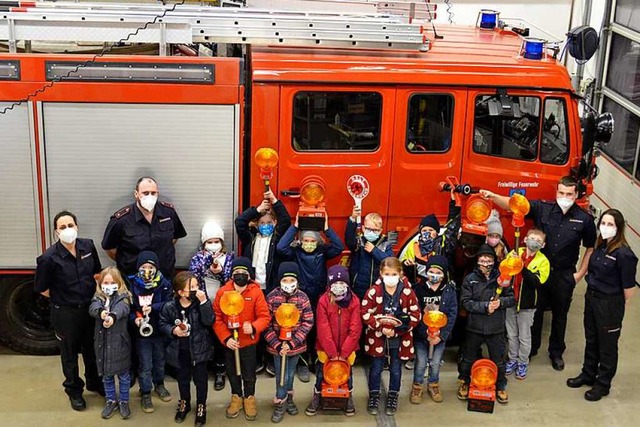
[392, 403]
[373, 403]
[463, 390]
[201, 415]
[219, 381]
[314, 405]
[416, 394]
[250, 408]
[234, 406]
[292, 409]
[278, 411]
[183, 409]
[434, 391]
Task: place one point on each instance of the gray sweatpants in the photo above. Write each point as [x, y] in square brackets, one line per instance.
[519, 333]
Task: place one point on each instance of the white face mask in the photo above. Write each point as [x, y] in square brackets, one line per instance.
[214, 248]
[68, 235]
[148, 202]
[109, 288]
[391, 281]
[564, 203]
[289, 288]
[607, 231]
[339, 289]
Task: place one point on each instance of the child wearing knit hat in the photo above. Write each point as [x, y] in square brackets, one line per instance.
[494, 235]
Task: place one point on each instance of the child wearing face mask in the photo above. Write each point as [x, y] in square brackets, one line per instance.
[367, 250]
[296, 342]
[486, 320]
[494, 236]
[212, 263]
[437, 293]
[390, 312]
[525, 287]
[150, 291]
[187, 320]
[253, 319]
[110, 307]
[339, 328]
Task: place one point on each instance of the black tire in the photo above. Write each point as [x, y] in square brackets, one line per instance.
[25, 319]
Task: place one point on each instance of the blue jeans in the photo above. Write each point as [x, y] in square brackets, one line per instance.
[320, 376]
[395, 371]
[109, 381]
[289, 375]
[151, 359]
[422, 361]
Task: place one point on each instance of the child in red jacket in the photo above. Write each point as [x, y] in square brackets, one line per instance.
[339, 328]
[254, 319]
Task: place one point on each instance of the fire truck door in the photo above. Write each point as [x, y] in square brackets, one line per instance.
[336, 132]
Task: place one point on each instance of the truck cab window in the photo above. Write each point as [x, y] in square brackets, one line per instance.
[429, 123]
[507, 126]
[336, 121]
[555, 137]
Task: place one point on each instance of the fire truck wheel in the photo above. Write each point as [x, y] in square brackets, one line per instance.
[25, 324]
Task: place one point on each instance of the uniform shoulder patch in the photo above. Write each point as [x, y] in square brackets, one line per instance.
[167, 205]
[122, 212]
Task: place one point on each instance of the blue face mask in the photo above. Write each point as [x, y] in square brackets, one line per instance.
[266, 229]
[371, 236]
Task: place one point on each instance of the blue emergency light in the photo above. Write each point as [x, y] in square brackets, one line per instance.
[533, 48]
[488, 19]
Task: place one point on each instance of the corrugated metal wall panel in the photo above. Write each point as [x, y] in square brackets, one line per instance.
[19, 238]
[96, 152]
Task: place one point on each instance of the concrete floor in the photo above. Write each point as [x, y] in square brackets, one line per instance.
[31, 394]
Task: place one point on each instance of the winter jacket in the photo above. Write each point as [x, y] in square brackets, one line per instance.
[298, 342]
[247, 236]
[408, 313]
[448, 305]
[200, 317]
[364, 265]
[339, 329]
[256, 311]
[159, 296]
[313, 266]
[200, 264]
[536, 274]
[112, 345]
[475, 294]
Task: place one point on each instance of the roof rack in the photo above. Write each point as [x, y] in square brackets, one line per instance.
[184, 24]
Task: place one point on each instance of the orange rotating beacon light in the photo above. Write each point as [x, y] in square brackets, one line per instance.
[232, 304]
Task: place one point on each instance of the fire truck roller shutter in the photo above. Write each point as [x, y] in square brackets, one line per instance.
[24, 319]
[96, 152]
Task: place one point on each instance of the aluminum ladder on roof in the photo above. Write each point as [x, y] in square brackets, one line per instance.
[185, 24]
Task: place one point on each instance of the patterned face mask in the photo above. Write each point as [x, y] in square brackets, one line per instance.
[339, 290]
[147, 273]
[309, 247]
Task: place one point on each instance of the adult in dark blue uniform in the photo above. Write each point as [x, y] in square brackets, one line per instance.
[146, 225]
[611, 281]
[64, 273]
[566, 226]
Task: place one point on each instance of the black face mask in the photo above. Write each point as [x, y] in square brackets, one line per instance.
[240, 279]
[192, 296]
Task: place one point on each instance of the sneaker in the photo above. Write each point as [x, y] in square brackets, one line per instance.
[557, 362]
[146, 403]
[409, 365]
[218, 383]
[463, 391]
[392, 403]
[125, 410]
[109, 409]
[511, 366]
[416, 394]
[162, 393]
[385, 367]
[201, 415]
[350, 409]
[303, 373]
[78, 403]
[521, 371]
[502, 397]
[314, 405]
[292, 409]
[278, 411]
[183, 409]
[271, 370]
[373, 403]
[434, 392]
[259, 367]
[235, 406]
[250, 408]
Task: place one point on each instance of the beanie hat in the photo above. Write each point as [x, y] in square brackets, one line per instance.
[211, 230]
[243, 263]
[438, 261]
[147, 257]
[338, 273]
[486, 250]
[310, 233]
[430, 221]
[288, 269]
[494, 226]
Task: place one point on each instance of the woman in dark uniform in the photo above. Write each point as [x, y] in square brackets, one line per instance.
[611, 281]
